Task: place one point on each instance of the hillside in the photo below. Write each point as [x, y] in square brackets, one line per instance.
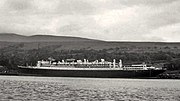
[58, 43]
[11, 37]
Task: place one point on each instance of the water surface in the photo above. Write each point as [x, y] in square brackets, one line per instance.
[17, 88]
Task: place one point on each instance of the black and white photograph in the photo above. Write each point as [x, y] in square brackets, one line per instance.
[89, 50]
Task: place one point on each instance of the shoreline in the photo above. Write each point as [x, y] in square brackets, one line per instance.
[26, 75]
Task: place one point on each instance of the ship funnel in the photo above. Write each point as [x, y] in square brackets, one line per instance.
[102, 60]
[114, 63]
[39, 64]
[120, 63]
[85, 61]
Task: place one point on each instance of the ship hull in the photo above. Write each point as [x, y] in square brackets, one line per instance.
[91, 73]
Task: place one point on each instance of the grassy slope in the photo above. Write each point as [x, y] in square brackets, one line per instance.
[97, 45]
[73, 43]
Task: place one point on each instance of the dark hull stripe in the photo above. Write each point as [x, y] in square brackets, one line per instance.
[91, 73]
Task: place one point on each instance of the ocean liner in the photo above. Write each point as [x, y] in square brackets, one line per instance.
[79, 68]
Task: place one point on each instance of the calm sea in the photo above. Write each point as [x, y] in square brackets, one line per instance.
[26, 88]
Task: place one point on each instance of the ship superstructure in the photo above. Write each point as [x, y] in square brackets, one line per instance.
[70, 63]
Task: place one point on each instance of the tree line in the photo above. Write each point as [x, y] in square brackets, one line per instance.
[13, 57]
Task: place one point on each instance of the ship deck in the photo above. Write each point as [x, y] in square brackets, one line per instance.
[71, 68]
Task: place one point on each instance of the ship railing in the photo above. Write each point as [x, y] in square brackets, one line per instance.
[134, 68]
[87, 63]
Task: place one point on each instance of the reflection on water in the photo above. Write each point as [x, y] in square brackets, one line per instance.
[81, 89]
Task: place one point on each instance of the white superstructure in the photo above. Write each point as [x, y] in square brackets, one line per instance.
[79, 64]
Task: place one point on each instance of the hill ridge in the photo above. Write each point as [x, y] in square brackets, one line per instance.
[12, 37]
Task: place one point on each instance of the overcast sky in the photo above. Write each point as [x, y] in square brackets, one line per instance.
[118, 20]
